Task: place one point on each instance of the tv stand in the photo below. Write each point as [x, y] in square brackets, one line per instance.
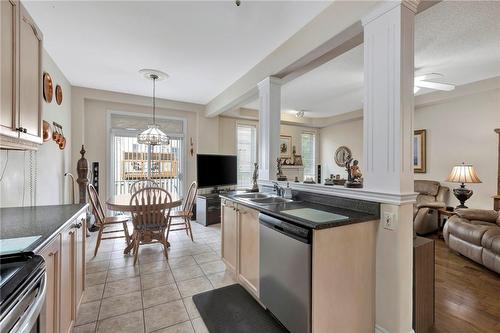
[208, 209]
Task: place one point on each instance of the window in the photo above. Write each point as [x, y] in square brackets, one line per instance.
[308, 143]
[246, 144]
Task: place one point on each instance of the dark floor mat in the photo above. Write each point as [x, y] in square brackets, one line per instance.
[232, 309]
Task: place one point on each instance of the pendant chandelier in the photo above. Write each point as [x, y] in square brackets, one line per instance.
[153, 135]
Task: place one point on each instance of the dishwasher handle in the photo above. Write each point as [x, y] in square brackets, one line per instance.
[291, 230]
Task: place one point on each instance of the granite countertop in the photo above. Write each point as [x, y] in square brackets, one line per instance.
[275, 210]
[44, 221]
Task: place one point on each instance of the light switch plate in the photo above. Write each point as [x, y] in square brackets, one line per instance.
[390, 222]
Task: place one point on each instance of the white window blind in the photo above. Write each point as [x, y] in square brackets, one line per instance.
[308, 144]
[246, 137]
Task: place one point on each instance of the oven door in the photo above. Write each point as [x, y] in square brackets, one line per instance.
[23, 315]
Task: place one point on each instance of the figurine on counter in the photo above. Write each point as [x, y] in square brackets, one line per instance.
[279, 174]
[255, 186]
[353, 174]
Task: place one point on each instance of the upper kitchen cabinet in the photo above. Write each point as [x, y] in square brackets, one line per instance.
[21, 73]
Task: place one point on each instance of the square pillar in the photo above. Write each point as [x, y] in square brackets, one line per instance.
[269, 126]
[387, 151]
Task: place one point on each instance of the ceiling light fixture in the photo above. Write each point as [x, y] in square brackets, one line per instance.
[300, 114]
[153, 135]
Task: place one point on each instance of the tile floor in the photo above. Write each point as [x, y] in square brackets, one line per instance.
[156, 294]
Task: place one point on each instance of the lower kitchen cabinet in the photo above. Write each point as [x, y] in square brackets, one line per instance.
[65, 260]
[240, 244]
[248, 245]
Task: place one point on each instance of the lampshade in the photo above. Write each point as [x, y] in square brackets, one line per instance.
[463, 173]
[153, 136]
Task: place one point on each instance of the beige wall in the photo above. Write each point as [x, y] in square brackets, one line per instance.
[460, 128]
[91, 108]
[346, 133]
[49, 185]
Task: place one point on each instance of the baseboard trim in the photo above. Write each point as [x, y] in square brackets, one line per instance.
[380, 329]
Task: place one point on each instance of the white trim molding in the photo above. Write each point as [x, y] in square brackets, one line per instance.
[351, 193]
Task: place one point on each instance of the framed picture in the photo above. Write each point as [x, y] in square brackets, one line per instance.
[285, 146]
[419, 151]
[297, 160]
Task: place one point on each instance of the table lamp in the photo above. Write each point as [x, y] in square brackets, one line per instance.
[463, 173]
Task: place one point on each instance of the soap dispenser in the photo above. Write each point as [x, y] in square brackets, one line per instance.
[288, 191]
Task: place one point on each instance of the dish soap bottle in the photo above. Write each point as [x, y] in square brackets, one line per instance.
[288, 192]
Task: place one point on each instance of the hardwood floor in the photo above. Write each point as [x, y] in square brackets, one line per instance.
[467, 294]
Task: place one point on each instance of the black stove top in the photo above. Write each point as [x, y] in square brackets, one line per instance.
[15, 271]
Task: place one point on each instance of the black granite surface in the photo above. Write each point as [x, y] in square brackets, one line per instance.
[354, 216]
[33, 221]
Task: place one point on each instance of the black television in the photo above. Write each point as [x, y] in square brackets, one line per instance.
[216, 170]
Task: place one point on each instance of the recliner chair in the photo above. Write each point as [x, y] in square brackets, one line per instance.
[431, 197]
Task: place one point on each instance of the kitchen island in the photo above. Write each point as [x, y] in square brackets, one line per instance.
[339, 268]
[57, 233]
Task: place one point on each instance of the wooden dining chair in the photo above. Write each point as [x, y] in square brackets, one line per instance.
[150, 214]
[143, 183]
[103, 221]
[184, 215]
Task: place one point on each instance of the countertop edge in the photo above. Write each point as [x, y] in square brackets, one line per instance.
[40, 246]
[367, 218]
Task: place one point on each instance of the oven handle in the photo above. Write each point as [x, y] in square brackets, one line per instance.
[30, 317]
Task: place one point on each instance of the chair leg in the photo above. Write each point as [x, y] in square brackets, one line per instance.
[127, 235]
[168, 227]
[136, 248]
[188, 226]
[164, 243]
[98, 242]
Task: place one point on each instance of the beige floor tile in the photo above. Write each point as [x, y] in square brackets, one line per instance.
[154, 266]
[147, 258]
[122, 287]
[121, 262]
[199, 326]
[191, 307]
[122, 273]
[101, 255]
[97, 266]
[181, 261]
[87, 313]
[159, 295]
[206, 257]
[194, 286]
[221, 279]
[93, 293]
[114, 306]
[187, 272]
[185, 327]
[95, 278]
[165, 315]
[156, 279]
[87, 328]
[127, 323]
[213, 267]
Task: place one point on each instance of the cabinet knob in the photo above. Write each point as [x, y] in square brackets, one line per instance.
[78, 225]
[51, 254]
[25, 130]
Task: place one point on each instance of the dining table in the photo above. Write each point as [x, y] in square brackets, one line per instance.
[121, 203]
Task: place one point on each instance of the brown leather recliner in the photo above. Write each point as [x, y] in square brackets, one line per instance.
[431, 197]
[475, 233]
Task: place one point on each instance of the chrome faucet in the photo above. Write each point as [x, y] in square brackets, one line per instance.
[279, 189]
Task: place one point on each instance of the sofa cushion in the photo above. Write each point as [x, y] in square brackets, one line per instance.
[491, 240]
[462, 229]
[478, 214]
[426, 187]
[423, 199]
[498, 219]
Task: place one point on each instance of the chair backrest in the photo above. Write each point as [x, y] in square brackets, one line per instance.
[150, 208]
[97, 209]
[140, 184]
[191, 196]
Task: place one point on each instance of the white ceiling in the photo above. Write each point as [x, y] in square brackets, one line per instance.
[460, 40]
[204, 46]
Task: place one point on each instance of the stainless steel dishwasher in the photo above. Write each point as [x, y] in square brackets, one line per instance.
[285, 272]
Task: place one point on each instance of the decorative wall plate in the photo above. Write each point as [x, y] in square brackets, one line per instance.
[342, 154]
[59, 95]
[48, 87]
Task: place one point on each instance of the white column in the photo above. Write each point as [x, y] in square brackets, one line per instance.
[387, 149]
[269, 126]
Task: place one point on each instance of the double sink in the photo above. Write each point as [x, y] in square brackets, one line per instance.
[262, 199]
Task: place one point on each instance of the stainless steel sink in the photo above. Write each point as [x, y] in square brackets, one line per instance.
[252, 196]
[270, 201]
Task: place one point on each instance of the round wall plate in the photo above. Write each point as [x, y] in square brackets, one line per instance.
[342, 154]
[59, 95]
[48, 87]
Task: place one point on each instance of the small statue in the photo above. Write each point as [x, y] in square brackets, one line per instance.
[353, 174]
[255, 186]
[356, 171]
[279, 174]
